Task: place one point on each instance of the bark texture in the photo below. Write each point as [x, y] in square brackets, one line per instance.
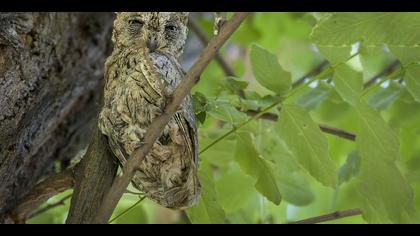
[91, 184]
[51, 70]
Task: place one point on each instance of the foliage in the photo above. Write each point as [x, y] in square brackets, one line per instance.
[284, 168]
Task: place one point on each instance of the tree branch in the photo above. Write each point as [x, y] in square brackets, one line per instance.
[324, 128]
[387, 70]
[43, 191]
[201, 35]
[93, 179]
[315, 71]
[329, 217]
[338, 132]
[184, 217]
[89, 186]
[155, 129]
[50, 206]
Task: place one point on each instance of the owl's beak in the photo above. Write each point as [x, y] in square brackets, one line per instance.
[151, 44]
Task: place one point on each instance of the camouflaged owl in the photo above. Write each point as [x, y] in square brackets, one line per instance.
[142, 72]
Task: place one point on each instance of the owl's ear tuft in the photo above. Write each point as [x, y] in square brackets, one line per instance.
[184, 16]
[118, 14]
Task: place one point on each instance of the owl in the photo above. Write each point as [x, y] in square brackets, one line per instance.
[140, 75]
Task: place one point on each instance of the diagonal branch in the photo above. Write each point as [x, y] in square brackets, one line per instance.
[48, 188]
[50, 206]
[324, 128]
[333, 216]
[387, 70]
[201, 35]
[120, 183]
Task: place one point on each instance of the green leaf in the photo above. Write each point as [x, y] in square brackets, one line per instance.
[406, 53]
[375, 132]
[294, 187]
[199, 102]
[225, 111]
[254, 165]
[208, 209]
[306, 141]
[350, 168]
[200, 106]
[288, 173]
[255, 102]
[268, 71]
[386, 194]
[221, 154]
[405, 111]
[235, 190]
[412, 79]
[137, 215]
[348, 83]
[382, 98]
[372, 29]
[312, 97]
[233, 84]
[374, 60]
[335, 54]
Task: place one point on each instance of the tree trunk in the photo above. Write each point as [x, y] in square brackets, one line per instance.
[51, 70]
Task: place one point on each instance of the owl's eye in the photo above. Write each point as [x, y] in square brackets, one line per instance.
[136, 23]
[170, 28]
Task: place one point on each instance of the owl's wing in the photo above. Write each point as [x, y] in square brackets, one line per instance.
[109, 64]
[172, 73]
[189, 116]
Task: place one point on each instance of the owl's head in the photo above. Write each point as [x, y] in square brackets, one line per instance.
[159, 31]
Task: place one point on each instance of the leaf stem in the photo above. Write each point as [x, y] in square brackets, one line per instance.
[127, 210]
[234, 129]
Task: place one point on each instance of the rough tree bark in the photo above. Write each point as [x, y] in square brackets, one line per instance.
[51, 70]
[93, 178]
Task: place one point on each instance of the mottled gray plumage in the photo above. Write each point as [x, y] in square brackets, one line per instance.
[141, 74]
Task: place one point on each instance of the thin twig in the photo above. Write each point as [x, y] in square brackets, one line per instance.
[185, 217]
[338, 132]
[324, 128]
[315, 71]
[387, 70]
[329, 217]
[201, 35]
[50, 206]
[155, 129]
[43, 191]
[127, 210]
